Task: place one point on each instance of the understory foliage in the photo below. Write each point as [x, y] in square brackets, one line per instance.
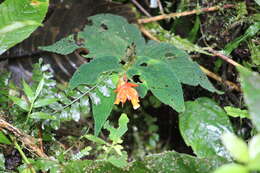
[124, 67]
[159, 67]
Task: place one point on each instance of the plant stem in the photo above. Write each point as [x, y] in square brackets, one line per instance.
[22, 154]
[82, 95]
[29, 113]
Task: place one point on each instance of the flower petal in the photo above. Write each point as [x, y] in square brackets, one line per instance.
[125, 92]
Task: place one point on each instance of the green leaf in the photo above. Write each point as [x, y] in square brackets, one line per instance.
[250, 32]
[77, 166]
[194, 32]
[19, 19]
[232, 168]
[170, 161]
[142, 90]
[2, 162]
[20, 102]
[202, 125]
[64, 46]
[28, 91]
[254, 163]
[161, 80]
[84, 105]
[110, 35]
[115, 134]
[101, 107]
[236, 146]
[250, 82]
[187, 71]
[75, 111]
[25, 170]
[166, 162]
[39, 88]
[90, 72]
[42, 115]
[258, 2]
[4, 140]
[81, 153]
[45, 165]
[118, 161]
[95, 139]
[236, 112]
[254, 147]
[44, 102]
[254, 51]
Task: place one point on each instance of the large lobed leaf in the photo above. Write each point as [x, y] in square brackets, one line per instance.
[250, 82]
[110, 35]
[102, 110]
[89, 73]
[64, 46]
[118, 47]
[161, 80]
[186, 70]
[202, 125]
[19, 19]
[102, 102]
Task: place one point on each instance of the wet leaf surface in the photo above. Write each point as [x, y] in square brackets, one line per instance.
[202, 125]
[250, 82]
[16, 20]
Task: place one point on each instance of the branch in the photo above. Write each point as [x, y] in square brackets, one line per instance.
[185, 13]
[224, 57]
[27, 140]
[230, 84]
[141, 8]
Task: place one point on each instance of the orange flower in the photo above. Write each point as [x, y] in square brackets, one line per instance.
[125, 92]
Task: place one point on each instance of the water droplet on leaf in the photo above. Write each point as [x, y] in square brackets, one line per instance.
[95, 99]
[104, 90]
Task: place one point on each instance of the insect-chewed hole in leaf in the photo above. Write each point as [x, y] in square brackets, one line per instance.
[136, 79]
[104, 26]
[144, 64]
[89, 22]
[166, 86]
[88, 59]
[122, 62]
[82, 51]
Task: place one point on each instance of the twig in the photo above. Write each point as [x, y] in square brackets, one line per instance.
[212, 75]
[230, 84]
[40, 137]
[185, 13]
[141, 8]
[75, 100]
[147, 33]
[27, 140]
[224, 57]
[160, 6]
